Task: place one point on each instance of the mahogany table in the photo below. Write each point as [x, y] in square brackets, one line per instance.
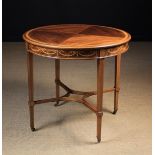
[78, 42]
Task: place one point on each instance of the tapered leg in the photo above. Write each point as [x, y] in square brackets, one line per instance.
[100, 69]
[117, 82]
[30, 88]
[57, 77]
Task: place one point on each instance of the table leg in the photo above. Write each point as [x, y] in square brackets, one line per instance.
[100, 71]
[57, 77]
[30, 88]
[117, 82]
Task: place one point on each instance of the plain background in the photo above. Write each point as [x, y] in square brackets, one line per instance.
[133, 16]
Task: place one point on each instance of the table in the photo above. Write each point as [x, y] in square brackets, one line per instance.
[76, 42]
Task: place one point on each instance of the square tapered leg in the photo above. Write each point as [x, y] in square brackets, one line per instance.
[100, 68]
[57, 78]
[30, 89]
[117, 82]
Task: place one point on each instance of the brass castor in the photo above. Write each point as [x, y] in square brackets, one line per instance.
[98, 140]
[56, 104]
[114, 112]
[33, 129]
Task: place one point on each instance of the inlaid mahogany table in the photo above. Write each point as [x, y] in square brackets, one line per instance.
[76, 42]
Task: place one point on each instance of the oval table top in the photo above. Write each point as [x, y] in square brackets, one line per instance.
[75, 37]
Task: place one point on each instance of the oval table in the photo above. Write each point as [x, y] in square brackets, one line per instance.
[77, 42]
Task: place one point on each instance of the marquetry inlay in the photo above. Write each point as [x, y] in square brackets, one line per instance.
[75, 41]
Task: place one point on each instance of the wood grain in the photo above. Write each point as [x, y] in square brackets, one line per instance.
[76, 41]
[76, 36]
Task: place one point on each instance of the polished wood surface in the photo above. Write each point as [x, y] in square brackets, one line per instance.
[117, 82]
[57, 77]
[76, 36]
[31, 89]
[100, 81]
[76, 42]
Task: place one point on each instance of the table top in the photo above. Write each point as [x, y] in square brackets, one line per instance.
[76, 36]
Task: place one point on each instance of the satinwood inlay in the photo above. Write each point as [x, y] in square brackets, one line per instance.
[76, 41]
